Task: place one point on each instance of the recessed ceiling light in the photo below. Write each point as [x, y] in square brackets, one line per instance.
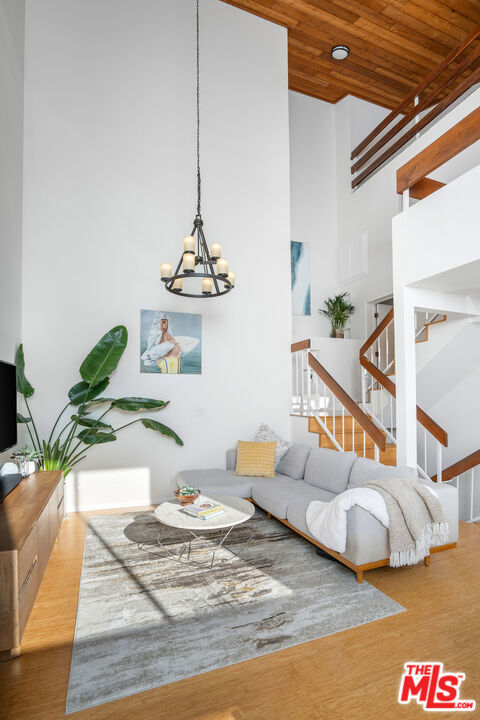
[340, 52]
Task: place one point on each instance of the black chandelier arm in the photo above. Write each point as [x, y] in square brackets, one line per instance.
[208, 258]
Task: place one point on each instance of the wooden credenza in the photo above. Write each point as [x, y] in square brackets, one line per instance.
[30, 518]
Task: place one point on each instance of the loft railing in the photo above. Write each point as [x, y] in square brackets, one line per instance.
[377, 358]
[315, 393]
[412, 180]
[433, 95]
[463, 473]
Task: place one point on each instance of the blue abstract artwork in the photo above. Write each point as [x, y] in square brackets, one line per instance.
[300, 260]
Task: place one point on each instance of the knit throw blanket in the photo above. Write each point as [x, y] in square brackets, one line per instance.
[416, 519]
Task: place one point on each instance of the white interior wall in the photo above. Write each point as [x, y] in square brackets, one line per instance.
[12, 14]
[313, 202]
[109, 195]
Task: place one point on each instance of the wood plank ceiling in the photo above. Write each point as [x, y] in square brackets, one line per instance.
[393, 44]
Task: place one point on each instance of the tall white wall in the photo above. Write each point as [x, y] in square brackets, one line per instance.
[109, 195]
[314, 202]
[12, 13]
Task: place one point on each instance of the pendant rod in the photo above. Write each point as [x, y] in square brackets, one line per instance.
[199, 182]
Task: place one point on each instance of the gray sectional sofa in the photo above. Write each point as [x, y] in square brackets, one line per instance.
[305, 474]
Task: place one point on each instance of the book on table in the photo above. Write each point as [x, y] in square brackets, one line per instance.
[204, 509]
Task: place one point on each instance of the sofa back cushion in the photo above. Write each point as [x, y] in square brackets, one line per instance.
[365, 470]
[329, 469]
[231, 458]
[294, 461]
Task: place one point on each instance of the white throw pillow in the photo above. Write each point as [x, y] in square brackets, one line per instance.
[266, 434]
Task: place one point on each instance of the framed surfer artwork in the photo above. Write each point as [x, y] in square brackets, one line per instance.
[170, 343]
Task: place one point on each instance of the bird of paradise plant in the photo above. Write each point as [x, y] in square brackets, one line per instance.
[66, 447]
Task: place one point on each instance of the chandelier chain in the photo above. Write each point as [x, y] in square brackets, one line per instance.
[198, 110]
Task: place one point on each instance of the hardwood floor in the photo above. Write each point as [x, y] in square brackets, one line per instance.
[351, 675]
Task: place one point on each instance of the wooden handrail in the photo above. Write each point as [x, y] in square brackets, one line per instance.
[468, 463]
[425, 420]
[361, 417]
[377, 332]
[300, 345]
[442, 105]
[458, 138]
[425, 103]
[416, 91]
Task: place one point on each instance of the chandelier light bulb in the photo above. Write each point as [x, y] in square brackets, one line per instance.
[188, 262]
[215, 251]
[166, 271]
[222, 267]
[206, 286]
[231, 277]
[189, 244]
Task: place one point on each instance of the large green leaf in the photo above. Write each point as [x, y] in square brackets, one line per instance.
[104, 358]
[23, 386]
[23, 419]
[91, 436]
[163, 429]
[90, 422]
[82, 392]
[131, 404]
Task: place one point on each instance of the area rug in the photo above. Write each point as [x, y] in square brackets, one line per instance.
[145, 620]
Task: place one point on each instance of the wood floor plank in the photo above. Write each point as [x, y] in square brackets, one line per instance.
[354, 674]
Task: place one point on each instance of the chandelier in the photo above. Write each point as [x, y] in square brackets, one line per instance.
[198, 263]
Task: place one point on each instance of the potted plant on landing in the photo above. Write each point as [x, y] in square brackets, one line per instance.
[82, 430]
[338, 310]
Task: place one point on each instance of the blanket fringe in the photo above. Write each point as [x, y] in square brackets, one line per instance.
[432, 534]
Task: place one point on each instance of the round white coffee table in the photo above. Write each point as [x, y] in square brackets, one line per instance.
[236, 512]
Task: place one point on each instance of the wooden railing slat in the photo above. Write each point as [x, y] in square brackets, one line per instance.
[416, 91]
[425, 103]
[458, 138]
[360, 416]
[462, 466]
[377, 332]
[473, 78]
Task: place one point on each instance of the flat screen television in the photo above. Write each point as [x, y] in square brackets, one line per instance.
[8, 406]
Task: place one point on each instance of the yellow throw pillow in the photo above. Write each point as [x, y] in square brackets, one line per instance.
[256, 458]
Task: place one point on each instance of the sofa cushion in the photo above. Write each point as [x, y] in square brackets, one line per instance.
[231, 459]
[296, 514]
[266, 434]
[329, 469]
[256, 458]
[275, 496]
[216, 482]
[365, 470]
[294, 461]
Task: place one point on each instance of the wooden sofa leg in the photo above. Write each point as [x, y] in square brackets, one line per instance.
[360, 576]
[426, 560]
[269, 515]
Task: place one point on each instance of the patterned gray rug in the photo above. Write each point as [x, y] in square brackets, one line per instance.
[145, 620]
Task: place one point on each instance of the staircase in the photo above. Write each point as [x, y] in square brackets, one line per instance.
[351, 433]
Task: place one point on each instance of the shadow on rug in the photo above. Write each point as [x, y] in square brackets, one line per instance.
[146, 620]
